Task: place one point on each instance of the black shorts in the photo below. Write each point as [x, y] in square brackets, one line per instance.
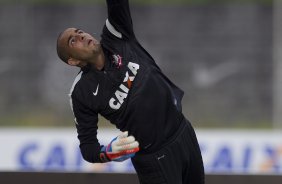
[178, 162]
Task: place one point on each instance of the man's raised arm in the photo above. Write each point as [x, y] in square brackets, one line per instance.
[119, 20]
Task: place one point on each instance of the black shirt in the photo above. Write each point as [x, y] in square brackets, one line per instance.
[131, 91]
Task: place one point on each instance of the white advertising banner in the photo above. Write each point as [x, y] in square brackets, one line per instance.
[223, 151]
[244, 151]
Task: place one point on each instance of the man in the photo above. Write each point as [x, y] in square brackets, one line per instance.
[122, 82]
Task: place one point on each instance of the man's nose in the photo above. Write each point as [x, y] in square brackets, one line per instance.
[80, 37]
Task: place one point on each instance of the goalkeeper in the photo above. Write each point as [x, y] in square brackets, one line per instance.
[121, 81]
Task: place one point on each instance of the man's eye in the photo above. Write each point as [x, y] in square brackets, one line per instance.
[72, 41]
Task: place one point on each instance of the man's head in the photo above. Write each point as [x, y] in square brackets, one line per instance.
[77, 48]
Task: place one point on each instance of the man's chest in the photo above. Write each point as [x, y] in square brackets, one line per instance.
[119, 82]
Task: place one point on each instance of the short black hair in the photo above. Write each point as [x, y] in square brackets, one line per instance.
[61, 50]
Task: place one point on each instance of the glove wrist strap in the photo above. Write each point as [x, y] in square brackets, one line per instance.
[103, 155]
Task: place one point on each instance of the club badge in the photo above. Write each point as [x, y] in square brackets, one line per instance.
[117, 60]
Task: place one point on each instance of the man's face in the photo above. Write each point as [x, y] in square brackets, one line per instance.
[79, 45]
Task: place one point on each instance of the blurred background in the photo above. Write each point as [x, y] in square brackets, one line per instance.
[219, 52]
[225, 55]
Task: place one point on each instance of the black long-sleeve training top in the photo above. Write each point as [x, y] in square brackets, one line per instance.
[131, 91]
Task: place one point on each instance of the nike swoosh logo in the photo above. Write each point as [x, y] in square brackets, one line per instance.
[147, 146]
[161, 157]
[96, 92]
[206, 77]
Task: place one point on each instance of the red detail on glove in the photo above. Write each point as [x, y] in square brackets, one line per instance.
[112, 156]
[104, 158]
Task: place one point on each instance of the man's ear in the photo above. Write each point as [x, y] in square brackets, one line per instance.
[73, 62]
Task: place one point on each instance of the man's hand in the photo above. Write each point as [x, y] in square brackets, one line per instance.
[120, 148]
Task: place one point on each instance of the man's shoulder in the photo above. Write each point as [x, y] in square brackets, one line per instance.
[84, 82]
[107, 38]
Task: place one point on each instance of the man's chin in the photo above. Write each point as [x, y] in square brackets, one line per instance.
[97, 48]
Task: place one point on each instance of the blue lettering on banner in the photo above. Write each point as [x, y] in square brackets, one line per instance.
[223, 161]
[247, 158]
[222, 158]
[56, 158]
[272, 158]
[23, 155]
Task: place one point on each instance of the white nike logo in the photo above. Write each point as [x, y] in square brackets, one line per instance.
[161, 157]
[147, 146]
[205, 77]
[96, 92]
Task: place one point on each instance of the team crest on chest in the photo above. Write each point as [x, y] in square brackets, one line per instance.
[117, 60]
[121, 93]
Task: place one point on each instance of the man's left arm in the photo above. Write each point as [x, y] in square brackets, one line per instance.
[119, 21]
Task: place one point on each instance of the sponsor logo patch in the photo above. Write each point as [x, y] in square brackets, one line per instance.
[121, 93]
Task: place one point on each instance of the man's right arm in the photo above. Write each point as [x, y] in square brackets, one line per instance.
[119, 149]
[86, 125]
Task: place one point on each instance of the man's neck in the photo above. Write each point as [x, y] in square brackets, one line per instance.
[99, 61]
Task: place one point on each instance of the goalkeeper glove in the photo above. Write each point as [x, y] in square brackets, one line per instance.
[120, 148]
